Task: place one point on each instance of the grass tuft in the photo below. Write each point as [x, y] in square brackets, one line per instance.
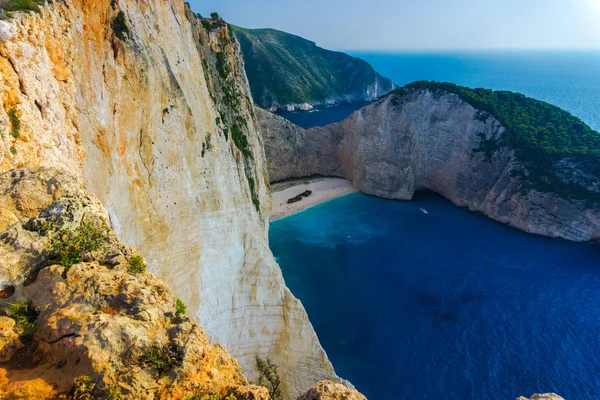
[136, 264]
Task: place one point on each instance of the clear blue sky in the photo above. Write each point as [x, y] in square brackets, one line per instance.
[421, 24]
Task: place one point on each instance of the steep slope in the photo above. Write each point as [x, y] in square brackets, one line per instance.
[287, 72]
[425, 137]
[152, 111]
[99, 327]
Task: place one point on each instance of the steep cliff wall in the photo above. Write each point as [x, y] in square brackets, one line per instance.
[152, 111]
[426, 140]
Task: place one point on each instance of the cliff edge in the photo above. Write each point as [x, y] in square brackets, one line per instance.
[149, 108]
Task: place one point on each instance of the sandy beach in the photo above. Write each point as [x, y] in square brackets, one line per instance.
[323, 189]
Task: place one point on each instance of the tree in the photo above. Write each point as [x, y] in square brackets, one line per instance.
[215, 16]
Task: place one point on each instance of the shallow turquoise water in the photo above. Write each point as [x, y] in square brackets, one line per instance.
[448, 305]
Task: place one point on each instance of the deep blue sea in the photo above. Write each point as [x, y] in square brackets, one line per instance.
[444, 306]
[570, 80]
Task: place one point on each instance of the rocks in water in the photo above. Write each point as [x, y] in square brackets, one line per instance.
[546, 396]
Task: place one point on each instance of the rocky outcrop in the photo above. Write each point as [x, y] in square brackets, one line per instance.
[152, 111]
[421, 140]
[290, 73]
[550, 396]
[96, 323]
[328, 390]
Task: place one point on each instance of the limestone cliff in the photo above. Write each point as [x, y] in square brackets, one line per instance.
[430, 140]
[150, 108]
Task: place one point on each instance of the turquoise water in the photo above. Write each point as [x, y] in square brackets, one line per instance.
[570, 80]
[448, 305]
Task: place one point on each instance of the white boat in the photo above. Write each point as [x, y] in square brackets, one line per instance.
[424, 211]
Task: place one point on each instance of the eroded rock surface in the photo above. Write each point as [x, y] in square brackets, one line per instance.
[547, 396]
[328, 390]
[99, 320]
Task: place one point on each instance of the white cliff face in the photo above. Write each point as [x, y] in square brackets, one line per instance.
[425, 141]
[145, 122]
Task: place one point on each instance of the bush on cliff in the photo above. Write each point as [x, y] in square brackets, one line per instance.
[70, 246]
[269, 377]
[20, 5]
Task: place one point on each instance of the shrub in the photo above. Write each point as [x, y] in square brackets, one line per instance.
[269, 377]
[24, 314]
[215, 16]
[70, 246]
[136, 264]
[210, 396]
[22, 5]
[160, 359]
[13, 150]
[180, 307]
[114, 393]
[119, 26]
[83, 388]
[15, 123]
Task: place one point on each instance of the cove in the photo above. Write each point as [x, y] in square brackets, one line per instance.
[447, 305]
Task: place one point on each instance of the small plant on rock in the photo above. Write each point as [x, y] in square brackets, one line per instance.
[24, 314]
[180, 308]
[160, 359]
[71, 245]
[136, 264]
[269, 377]
[15, 123]
[83, 388]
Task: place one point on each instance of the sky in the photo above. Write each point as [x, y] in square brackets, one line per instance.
[422, 24]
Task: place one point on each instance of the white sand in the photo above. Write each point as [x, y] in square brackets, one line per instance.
[323, 189]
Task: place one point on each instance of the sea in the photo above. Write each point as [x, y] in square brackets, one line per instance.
[449, 304]
[567, 79]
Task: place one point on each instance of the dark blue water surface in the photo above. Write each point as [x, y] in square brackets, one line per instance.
[322, 116]
[448, 305]
[570, 80]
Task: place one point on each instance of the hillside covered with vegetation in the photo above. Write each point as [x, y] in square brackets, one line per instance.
[559, 152]
[287, 69]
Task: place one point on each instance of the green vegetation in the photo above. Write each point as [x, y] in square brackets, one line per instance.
[269, 377]
[13, 150]
[287, 69]
[160, 359]
[24, 314]
[114, 393]
[215, 16]
[9, 6]
[210, 396]
[136, 264]
[70, 246]
[83, 388]
[15, 123]
[180, 307]
[119, 26]
[540, 134]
